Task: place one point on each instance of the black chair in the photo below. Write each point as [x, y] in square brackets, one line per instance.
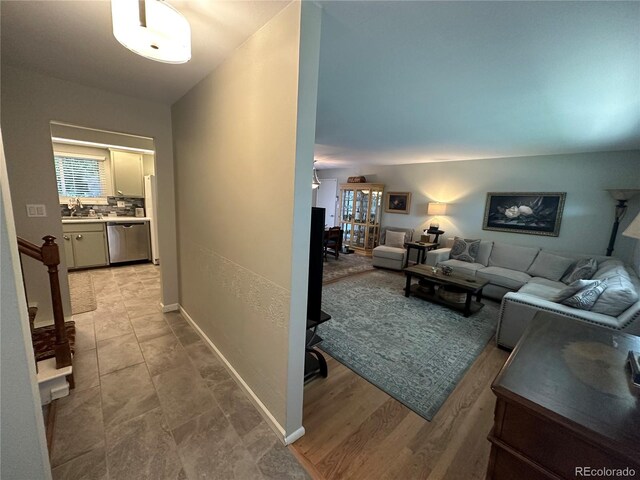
[333, 241]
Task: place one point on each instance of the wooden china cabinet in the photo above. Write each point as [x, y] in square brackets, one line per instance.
[360, 211]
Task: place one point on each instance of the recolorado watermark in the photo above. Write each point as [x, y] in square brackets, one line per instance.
[605, 472]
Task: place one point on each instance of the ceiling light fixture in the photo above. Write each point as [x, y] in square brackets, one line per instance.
[153, 29]
[316, 181]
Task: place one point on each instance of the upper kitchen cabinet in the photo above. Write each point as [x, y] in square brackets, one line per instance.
[128, 174]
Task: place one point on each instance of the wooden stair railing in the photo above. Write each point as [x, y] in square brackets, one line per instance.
[49, 255]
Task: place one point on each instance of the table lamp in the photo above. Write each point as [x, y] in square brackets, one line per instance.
[435, 209]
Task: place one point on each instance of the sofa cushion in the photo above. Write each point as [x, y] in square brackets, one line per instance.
[465, 249]
[384, 251]
[464, 269]
[571, 289]
[504, 277]
[394, 239]
[408, 234]
[619, 295]
[484, 252]
[542, 288]
[549, 266]
[587, 297]
[609, 268]
[582, 269]
[512, 257]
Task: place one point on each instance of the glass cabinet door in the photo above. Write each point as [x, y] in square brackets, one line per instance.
[372, 237]
[374, 211]
[361, 207]
[346, 214]
[346, 238]
[358, 236]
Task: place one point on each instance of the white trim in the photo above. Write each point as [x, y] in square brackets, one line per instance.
[172, 307]
[266, 414]
[84, 143]
[289, 439]
[88, 156]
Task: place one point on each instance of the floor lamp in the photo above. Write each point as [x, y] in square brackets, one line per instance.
[622, 197]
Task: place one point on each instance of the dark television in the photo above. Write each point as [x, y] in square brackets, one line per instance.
[314, 293]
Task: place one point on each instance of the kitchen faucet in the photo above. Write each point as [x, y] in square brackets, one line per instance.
[74, 206]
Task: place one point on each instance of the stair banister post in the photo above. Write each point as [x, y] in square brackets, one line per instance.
[51, 258]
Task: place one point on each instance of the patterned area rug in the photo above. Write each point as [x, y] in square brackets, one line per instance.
[414, 350]
[44, 340]
[83, 298]
[344, 266]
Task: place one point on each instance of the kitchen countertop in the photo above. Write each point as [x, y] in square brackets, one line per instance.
[104, 219]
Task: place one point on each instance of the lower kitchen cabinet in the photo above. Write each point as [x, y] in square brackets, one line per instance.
[85, 245]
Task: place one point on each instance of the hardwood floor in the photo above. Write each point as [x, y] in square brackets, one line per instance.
[356, 431]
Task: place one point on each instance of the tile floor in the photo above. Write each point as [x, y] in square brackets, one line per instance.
[151, 399]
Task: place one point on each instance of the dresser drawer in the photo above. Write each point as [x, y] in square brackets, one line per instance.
[546, 443]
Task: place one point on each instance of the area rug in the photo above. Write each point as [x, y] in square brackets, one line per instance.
[83, 298]
[344, 266]
[414, 350]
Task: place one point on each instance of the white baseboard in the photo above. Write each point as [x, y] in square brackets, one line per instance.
[52, 382]
[266, 414]
[289, 439]
[172, 307]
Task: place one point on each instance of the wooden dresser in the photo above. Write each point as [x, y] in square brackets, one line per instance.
[565, 400]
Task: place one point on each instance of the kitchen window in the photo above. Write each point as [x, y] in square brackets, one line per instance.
[82, 176]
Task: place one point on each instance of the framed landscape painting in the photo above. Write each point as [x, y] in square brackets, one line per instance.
[397, 202]
[535, 213]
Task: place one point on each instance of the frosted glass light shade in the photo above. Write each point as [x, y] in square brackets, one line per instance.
[315, 183]
[154, 30]
[436, 208]
[633, 230]
[622, 194]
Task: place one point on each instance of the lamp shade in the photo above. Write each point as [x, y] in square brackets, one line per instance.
[622, 194]
[153, 29]
[633, 230]
[436, 208]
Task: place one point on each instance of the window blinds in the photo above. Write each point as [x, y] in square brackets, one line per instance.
[80, 176]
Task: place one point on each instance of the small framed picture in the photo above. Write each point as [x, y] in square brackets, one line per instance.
[397, 202]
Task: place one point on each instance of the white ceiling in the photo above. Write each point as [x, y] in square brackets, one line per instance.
[400, 82]
[413, 82]
[73, 40]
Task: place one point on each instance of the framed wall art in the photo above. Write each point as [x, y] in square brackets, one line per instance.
[533, 213]
[397, 202]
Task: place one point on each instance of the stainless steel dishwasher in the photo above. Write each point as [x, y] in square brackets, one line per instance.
[128, 241]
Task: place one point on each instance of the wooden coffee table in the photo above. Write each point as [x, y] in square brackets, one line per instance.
[429, 280]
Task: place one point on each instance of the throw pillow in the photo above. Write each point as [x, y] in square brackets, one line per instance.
[550, 266]
[620, 295]
[583, 269]
[394, 239]
[586, 298]
[464, 250]
[572, 289]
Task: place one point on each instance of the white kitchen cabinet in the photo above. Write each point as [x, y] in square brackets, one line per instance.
[128, 174]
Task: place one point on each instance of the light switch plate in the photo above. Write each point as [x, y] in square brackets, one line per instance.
[38, 210]
[121, 204]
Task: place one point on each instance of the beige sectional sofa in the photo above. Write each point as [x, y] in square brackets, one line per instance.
[526, 279]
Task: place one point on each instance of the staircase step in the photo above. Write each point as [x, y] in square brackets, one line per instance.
[44, 340]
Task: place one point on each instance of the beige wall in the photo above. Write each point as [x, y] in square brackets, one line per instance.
[23, 446]
[235, 138]
[588, 212]
[30, 102]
